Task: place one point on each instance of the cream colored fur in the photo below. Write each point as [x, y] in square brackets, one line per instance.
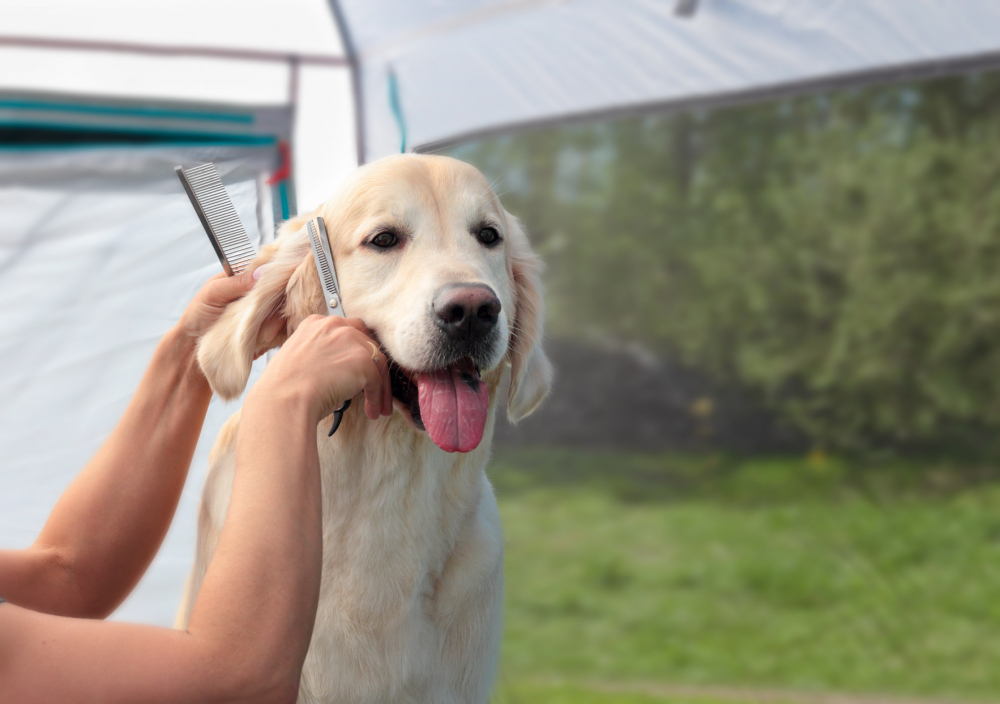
[412, 586]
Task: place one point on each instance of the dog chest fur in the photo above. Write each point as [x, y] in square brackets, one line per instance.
[412, 586]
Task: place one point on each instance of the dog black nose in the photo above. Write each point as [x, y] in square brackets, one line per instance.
[467, 312]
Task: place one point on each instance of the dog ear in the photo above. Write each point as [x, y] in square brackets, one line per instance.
[265, 317]
[530, 369]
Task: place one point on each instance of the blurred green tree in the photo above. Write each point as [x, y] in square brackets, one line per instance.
[838, 253]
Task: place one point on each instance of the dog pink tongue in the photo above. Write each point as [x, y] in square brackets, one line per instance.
[453, 406]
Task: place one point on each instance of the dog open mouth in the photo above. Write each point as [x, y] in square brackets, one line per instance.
[451, 404]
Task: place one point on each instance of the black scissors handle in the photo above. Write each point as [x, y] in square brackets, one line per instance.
[338, 415]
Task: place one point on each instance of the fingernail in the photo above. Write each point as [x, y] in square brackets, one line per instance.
[259, 271]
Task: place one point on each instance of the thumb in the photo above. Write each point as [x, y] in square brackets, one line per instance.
[224, 291]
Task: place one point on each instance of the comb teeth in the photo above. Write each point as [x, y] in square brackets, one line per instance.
[324, 265]
[217, 214]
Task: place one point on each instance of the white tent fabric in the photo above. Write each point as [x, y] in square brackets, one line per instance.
[324, 144]
[99, 253]
[467, 67]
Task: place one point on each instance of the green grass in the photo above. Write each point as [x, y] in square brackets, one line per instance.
[563, 693]
[806, 574]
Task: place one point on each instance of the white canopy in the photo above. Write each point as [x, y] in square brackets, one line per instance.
[470, 67]
[99, 250]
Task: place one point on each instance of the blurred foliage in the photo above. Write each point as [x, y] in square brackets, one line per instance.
[838, 253]
[645, 573]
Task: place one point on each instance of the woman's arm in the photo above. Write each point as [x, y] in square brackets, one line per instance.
[254, 614]
[110, 522]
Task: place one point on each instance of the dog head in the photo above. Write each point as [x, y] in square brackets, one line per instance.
[429, 259]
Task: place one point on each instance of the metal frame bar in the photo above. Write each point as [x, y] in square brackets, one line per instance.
[355, 66]
[166, 50]
[855, 79]
[292, 60]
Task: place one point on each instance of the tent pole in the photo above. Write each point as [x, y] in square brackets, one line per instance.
[166, 50]
[293, 83]
[288, 184]
[355, 66]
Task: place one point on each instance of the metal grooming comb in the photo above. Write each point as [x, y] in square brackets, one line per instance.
[218, 217]
[331, 291]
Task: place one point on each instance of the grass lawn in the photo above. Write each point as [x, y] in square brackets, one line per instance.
[551, 692]
[808, 574]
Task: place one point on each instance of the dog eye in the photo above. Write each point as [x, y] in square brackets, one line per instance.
[384, 240]
[488, 236]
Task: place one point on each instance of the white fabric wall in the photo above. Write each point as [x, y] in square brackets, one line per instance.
[100, 251]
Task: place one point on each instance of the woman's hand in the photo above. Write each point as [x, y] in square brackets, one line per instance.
[327, 361]
[211, 301]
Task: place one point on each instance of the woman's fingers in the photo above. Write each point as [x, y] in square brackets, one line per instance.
[387, 391]
[378, 379]
[211, 301]
[340, 359]
[384, 406]
[386, 384]
[221, 290]
[373, 397]
[372, 368]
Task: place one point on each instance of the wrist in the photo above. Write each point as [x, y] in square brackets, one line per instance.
[179, 339]
[181, 349]
[287, 399]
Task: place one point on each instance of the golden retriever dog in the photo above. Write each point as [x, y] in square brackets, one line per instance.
[412, 585]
